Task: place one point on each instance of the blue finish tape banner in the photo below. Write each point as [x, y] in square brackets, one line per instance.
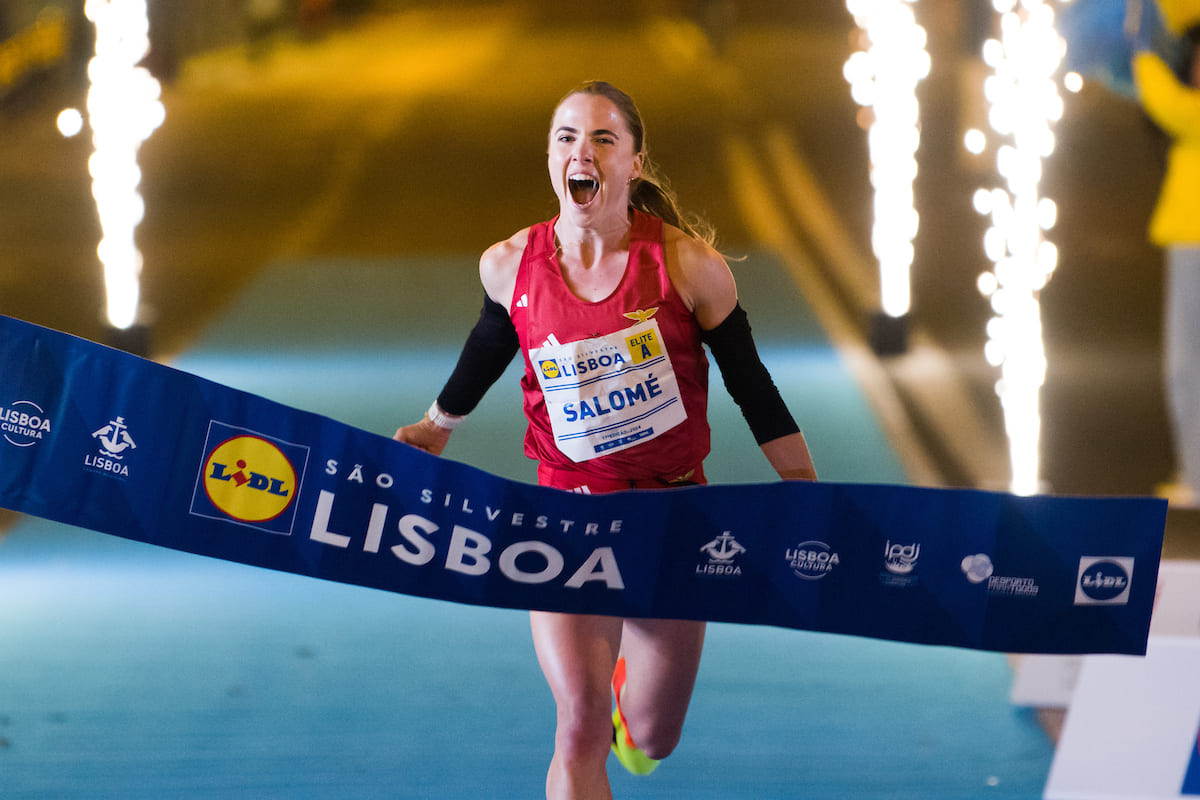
[100, 439]
[1191, 777]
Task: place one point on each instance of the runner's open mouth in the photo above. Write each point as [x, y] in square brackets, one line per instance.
[583, 189]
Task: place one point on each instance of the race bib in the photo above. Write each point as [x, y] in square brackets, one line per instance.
[608, 393]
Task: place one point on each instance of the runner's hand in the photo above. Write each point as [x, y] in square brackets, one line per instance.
[424, 435]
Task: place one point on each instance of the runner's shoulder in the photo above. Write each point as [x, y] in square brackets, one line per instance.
[498, 266]
[700, 275]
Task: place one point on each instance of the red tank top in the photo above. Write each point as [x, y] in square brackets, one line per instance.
[545, 310]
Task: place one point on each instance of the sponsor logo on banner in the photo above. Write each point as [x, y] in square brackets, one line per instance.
[901, 559]
[722, 554]
[115, 443]
[249, 479]
[1103, 581]
[900, 563]
[23, 423]
[978, 568]
[1007, 586]
[812, 560]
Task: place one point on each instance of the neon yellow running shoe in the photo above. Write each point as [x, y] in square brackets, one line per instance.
[628, 753]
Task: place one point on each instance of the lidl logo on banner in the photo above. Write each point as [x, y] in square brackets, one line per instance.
[249, 479]
[643, 346]
[550, 368]
[1103, 581]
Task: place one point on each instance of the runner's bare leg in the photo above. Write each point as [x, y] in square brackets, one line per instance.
[577, 654]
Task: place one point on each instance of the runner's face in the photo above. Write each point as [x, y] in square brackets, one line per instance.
[591, 157]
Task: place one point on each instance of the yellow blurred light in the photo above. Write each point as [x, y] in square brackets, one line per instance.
[982, 201]
[884, 77]
[1047, 211]
[1024, 103]
[993, 53]
[987, 283]
[123, 110]
[975, 141]
[69, 122]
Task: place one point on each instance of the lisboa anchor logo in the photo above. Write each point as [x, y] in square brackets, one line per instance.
[722, 552]
[115, 443]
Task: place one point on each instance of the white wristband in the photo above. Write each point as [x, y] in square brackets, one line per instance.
[442, 419]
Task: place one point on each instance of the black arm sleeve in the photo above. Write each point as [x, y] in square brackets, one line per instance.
[489, 348]
[747, 379]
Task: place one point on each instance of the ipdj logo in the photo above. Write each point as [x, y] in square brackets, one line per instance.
[249, 478]
[901, 559]
[1104, 581]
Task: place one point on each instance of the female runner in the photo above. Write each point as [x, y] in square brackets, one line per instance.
[618, 259]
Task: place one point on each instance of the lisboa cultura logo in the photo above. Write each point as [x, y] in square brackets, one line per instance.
[23, 423]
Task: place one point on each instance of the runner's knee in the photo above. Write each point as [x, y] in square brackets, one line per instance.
[656, 735]
[584, 729]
